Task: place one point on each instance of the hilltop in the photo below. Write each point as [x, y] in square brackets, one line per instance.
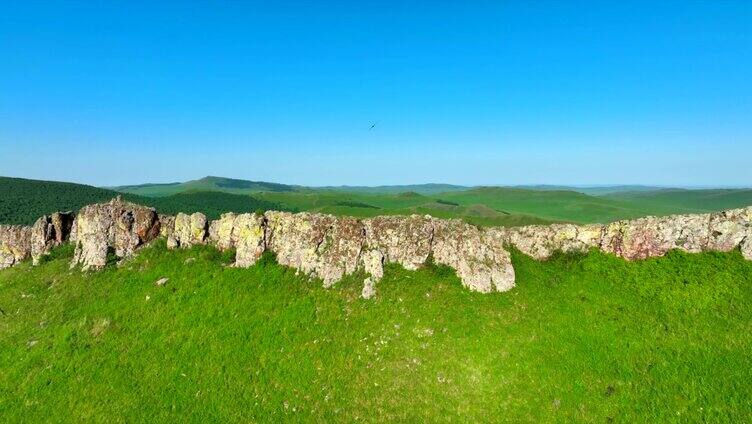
[210, 183]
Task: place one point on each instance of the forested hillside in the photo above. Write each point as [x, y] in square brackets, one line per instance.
[22, 201]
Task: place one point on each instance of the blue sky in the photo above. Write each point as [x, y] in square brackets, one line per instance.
[462, 92]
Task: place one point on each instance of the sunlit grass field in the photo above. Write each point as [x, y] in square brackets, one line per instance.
[587, 338]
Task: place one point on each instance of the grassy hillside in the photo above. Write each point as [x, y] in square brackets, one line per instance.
[581, 338]
[221, 184]
[23, 201]
[482, 206]
[366, 205]
[396, 189]
[706, 200]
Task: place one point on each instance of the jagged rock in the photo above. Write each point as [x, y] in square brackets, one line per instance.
[188, 230]
[118, 225]
[15, 244]
[244, 232]
[405, 240]
[48, 232]
[479, 259]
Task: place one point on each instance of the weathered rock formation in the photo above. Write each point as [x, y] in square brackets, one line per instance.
[15, 244]
[48, 232]
[118, 225]
[188, 230]
[330, 247]
[244, 232]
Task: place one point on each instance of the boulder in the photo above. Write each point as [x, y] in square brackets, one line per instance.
[15, 244]
[117, 225]
[244, 232]
[188, 230]
[166, 225]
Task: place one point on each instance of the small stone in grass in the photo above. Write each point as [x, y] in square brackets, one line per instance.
[162, 281]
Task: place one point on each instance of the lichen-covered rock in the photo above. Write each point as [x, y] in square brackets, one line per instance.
[188, 230]
[166, 225]
[541, 241]
[728, 229]
[479, 259]
[746, 247]
[48, 232]
[15, 244]
[339, 252]
[118, 225]
[244, 232]
[402, 239]
[655, 236]
[296, 239]
[373, 264]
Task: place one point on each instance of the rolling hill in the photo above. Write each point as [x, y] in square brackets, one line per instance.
[698, 200]
[22, 201]
[226, 185]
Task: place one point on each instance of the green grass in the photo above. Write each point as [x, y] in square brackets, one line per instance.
[587, 338]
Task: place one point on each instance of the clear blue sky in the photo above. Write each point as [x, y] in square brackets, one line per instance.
[462, 92]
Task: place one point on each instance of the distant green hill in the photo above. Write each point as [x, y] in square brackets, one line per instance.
[221, 184]
[696, 200]
[22, 201]
[396, 189]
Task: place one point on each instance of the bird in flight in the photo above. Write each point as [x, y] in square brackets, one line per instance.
[373, 125]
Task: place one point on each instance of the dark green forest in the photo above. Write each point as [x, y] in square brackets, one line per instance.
[22, 201]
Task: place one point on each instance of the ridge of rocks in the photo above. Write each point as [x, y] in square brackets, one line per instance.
[330, 247]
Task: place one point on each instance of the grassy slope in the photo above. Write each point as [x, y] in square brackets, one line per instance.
[23, 201]
[589, 338]
[691, 200]
[340, 203]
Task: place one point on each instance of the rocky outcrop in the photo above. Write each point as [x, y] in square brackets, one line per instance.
[15, 244]
[479, 258]
[541, 241]
[187, 230]
[654, 236]
[118, 225]
[244, 233]
[48, 232]
[330, 247]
